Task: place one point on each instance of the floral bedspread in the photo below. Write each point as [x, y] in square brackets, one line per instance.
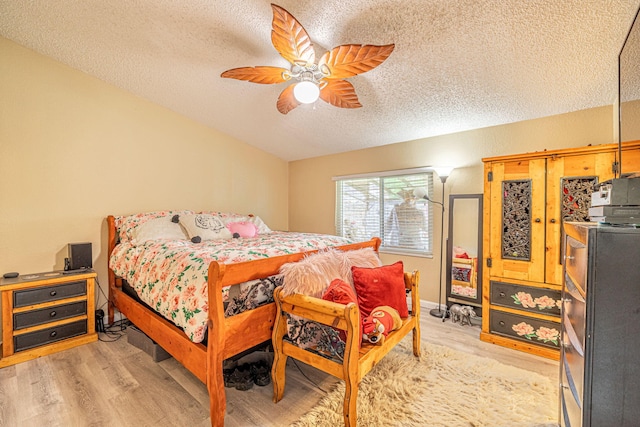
[171, 276]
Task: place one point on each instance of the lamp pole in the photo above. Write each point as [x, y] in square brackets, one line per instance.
[443, 172]
[438, 312]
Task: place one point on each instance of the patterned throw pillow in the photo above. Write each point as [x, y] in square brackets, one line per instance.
[228, 217]
[201, 227]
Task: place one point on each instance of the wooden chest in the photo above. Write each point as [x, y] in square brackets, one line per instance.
[45, 313]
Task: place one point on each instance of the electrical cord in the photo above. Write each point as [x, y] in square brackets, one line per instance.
[98, 296]
[308, 379]
[115, 331]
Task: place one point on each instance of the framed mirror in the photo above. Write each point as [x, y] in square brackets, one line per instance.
[464, 251]
[629, 84]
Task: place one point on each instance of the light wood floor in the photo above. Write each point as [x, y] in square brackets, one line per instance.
[117, 384]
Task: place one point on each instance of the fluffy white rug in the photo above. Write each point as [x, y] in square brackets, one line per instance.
[445, 388]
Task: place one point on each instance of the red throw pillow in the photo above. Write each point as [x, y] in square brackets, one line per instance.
[380, 286]
[341, 292]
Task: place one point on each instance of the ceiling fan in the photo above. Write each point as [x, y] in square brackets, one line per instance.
[324, 80]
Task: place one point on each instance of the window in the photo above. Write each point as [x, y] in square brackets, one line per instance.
[385, 206]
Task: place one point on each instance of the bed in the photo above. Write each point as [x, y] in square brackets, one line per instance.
[203, 348]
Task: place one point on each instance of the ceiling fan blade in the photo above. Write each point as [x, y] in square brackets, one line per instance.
[286, 100]
[263, 75]
[290, 38]
[340, 93]
[352, 59]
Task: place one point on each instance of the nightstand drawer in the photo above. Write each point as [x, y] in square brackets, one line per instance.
[529, 329]
[49, 335]
[46, 315]
[49, 293]
[527, 298]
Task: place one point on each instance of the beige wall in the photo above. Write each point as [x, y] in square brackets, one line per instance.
[74, 149]
[630, 113]
[312, 192]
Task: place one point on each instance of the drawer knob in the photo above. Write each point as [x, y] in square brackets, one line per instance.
[53, 293]
[501, 323]
[53, 334]
[502, 294]
[553, 220]
[537, 219]
[53, 314]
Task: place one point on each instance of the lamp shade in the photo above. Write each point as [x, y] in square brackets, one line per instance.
[306, 92]
[443, 171]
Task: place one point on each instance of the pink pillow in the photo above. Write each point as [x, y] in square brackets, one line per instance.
[380, 286]
[244, 229]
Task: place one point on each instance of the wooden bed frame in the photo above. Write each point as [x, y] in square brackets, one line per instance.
[205, 361]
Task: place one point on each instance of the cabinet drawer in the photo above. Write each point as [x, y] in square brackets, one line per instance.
[575, 262]
[49, 335]
[527, 298]
[46, 315]
[573, 369]
[528, 329]
[49, 293]
[572, 411]
[574, 314]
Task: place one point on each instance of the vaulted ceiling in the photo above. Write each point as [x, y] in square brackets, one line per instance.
[457, 64]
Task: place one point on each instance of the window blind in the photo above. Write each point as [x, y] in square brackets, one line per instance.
[385, 206]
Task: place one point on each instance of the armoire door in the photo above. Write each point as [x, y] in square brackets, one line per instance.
[570, 182]
[517, 236]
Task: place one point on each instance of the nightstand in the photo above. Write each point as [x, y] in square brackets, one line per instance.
[44, 313]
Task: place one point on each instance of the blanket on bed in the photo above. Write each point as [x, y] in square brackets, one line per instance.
[171, 275]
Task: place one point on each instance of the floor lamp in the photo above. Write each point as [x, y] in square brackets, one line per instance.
[443, 173]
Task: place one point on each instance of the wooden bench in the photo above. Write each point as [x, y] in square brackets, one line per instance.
[357, 361]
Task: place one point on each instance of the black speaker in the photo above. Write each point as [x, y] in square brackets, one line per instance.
[80, 257]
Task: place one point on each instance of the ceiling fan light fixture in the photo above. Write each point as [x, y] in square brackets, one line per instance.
[326, 76]
[306, 92]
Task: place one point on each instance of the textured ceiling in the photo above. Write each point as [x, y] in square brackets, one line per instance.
[457, 65]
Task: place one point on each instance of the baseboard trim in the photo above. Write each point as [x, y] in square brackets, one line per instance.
[428, 305]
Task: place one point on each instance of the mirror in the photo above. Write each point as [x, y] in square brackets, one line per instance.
[464, 251]
[629, 84]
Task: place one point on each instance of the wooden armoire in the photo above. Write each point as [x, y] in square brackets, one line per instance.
[527, 198]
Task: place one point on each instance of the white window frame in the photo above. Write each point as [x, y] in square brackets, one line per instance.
[376, 220]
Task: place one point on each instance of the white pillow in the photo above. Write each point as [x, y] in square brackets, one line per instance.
[201, 227]
[158, 229]
[262, 227]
